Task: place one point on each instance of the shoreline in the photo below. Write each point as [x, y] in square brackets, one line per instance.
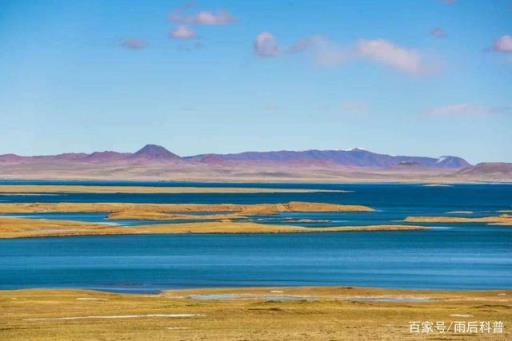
[104, 189]
[291, 181]
[327, 290]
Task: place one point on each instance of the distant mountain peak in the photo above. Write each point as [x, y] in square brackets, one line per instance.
[357, 157]
[155, 152]
[10, 157]
[449, 161]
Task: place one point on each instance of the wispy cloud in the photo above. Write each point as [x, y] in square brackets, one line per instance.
[438, 32]
[219, 17]
[182, 32]
[305, 43]
[266, 45]
[400, 58]
[468, 109]
[325, 52]
[185, 19]
[213, 18]
[133, 44]
[503, 44]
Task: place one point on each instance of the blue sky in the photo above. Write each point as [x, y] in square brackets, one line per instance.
[426, 77]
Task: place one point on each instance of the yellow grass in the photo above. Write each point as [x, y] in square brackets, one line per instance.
[327, 313]
[24, 228]
[218, 220]
[293, 206]
[504, 220]
[179, 211]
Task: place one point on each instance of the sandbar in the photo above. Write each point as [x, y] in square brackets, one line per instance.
[31, 228]
[503, 220]
[220, 212]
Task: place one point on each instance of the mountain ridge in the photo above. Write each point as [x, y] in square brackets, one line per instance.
[351, 158]
[153, 162]
[355, 158]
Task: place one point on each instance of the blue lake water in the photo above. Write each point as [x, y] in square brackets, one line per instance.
[460, 256]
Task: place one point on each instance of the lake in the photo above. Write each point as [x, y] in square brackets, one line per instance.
[455, 256]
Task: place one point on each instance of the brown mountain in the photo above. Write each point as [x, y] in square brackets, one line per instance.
[491, 170]
[153, 152]
[157, 163]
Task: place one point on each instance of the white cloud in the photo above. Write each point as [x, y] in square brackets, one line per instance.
[266, 45]
[465, 109]
[324, 52]
[382, 51]
[213, 18]
[182, 32]
[503, 44]
[220, 17]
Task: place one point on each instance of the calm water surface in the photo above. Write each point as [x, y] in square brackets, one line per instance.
[462, 256]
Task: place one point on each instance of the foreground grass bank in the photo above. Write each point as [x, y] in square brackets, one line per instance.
[308, 313]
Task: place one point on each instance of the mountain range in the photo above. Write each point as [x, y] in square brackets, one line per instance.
[156, 162]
